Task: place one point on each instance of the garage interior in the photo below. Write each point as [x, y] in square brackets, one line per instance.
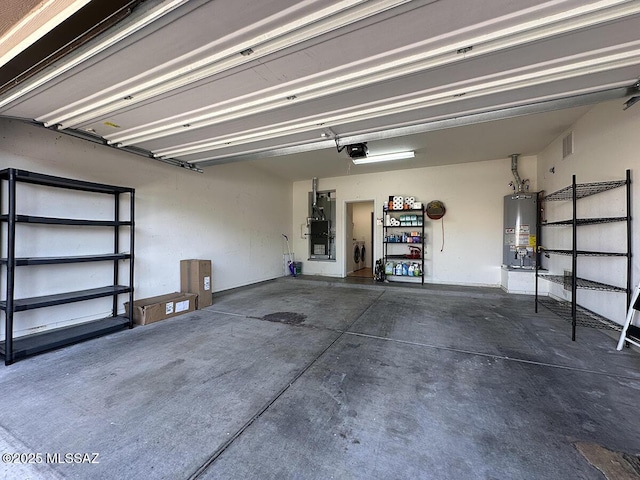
[240, 130]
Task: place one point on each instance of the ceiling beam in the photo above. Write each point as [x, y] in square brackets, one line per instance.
[402, 62]
[532, 75]
[194, 67]
[458, 121]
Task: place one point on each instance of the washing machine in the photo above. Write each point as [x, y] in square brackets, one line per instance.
[356, 256]
[362, 260]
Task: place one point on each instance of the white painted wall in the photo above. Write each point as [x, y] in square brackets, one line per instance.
[606, 143]
[232, 214]
[473, 194]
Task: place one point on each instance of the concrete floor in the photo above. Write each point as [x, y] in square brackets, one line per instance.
[306, 378]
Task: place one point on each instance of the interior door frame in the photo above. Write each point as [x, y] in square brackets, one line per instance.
[347, 249]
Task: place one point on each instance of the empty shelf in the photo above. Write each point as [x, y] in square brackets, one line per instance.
[62, 298]
[66, 221]
[584, 190]
[584, 221]
[583, 253]
[582, 283]
[60, 260]
[60, 337]
[584, 317]
[51, 181]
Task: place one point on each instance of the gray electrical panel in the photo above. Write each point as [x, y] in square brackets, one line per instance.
[319, 237]
[520, 226]
[322, 220]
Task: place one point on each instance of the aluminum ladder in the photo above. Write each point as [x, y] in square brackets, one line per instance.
[628, 328]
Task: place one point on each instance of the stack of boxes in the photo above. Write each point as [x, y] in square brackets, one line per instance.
[195, 277]
[195, 286]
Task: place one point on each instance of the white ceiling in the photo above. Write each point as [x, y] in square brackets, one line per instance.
[204, 82]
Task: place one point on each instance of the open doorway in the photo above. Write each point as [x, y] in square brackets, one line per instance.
[359, 239]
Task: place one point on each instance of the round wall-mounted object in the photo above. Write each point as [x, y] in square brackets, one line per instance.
[435, 210]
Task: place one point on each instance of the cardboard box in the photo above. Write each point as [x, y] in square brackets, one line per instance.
[154, 309]
[195, 277]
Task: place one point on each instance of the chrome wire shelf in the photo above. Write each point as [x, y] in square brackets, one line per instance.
[583, 253]
[584, 190]
[583, 283]
[584, 317]
[570, 310]
[584, 221]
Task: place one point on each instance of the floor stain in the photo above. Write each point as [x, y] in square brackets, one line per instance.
[290, 318]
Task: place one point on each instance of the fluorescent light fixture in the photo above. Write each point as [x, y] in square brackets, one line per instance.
[386, 157]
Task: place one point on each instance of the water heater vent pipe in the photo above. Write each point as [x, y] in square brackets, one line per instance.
[317, 212]
[314, 189]
[518, 184]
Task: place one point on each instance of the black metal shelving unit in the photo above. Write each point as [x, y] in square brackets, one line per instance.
[13, 349]
[571, 311]
[387, 229]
